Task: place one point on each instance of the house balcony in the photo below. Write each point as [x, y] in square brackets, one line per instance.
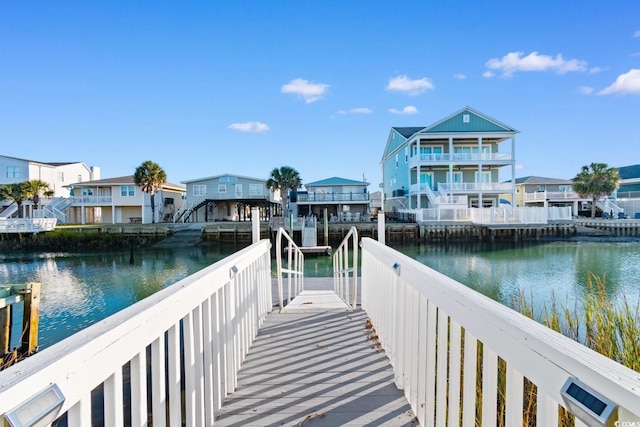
[333, 198]
[551, 196]
[475, 187]
[92, 201]
[461, 159]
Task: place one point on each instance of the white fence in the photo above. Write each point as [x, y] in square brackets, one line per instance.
[202, 326]
[27, 225]
[443, 339]
[345, 268]
[510, 215]
[294, 268]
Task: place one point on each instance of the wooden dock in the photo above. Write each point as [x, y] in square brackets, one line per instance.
[315, 365]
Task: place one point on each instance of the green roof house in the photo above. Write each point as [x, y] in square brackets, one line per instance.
[457, 161]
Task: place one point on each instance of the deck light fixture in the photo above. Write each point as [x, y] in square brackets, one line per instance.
[396, 268]
[233, 271]
[40, 410]
[588, 405]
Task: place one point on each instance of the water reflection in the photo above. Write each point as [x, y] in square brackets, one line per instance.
[81, 289]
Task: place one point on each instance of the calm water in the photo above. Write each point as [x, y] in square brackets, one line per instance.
[81, 289]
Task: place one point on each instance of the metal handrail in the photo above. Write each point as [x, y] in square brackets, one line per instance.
[294, 270]
[344, 274]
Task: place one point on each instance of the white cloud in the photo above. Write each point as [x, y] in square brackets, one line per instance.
[628, 83]
[488, 74]
[459, 76]
[636, 34]
[410, 87]
[635, 54]
[408, 110]
[309, 91]
[361, 110]
[252, 127]
[585, 90]
[597, 70]
[515, 61]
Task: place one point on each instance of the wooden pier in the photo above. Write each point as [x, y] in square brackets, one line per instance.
[10, 295]
[318, 363]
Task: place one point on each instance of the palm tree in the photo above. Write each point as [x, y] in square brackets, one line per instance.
[16, 192]
[151, 177]
[596, 181]
[35, 188]
[284, 179]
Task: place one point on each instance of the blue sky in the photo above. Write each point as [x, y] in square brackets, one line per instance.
[205, 88]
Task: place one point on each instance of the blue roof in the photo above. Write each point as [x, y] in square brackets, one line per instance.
[335, 181]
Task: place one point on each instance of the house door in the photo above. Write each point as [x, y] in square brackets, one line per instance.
[426, 179]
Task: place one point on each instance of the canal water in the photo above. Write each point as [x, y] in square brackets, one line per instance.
[79, 289]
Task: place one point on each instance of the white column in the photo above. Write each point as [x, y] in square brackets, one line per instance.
[255, 225]
[513, 168]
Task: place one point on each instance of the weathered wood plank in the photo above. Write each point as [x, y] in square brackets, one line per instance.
[319, 368]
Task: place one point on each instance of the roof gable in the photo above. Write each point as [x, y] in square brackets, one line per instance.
[468, 120]
[397, 138]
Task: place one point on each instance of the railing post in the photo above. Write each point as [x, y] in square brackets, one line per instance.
[381, 228]
[255, 225]
[30, 318]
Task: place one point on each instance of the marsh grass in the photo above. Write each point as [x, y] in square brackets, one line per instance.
[599, 321]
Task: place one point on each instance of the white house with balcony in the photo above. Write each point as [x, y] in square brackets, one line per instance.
[119, 200]
[58, 175]
[456, 162]
[227, 197]
[344, 199]
[543, 191]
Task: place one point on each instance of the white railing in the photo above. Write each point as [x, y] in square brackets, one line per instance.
[541, 196]
[27, 225]
[443, 338]
[92, 200]
[10, 210]
[475, 186]
[294, 268]
[345, 269]
[333, 197]
[461, 157]
[202, 327]
[493, 216]
[55, 208]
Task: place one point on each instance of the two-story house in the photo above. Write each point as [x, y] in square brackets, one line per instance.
[542, 191]
[119, 200]
[227, 198]
[628, 194]
[457, 161]
[343, 198]
[58, 175]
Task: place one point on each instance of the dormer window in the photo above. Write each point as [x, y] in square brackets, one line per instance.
[465, 118]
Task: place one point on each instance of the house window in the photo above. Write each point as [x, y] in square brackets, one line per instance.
[200, 190]
[79, 178]
[542, 188]
[87, 191]
[406, 154]
[61, 176]
[238, 190]
[396, 160]
[127, 190]
[255, 189]
[13, 172]
[222, 188]
[565, 188]
[465, 118]
[431, 153]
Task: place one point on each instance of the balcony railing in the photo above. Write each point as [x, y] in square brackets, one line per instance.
[92, 200]
[461, 157]
[333, 197]
[541, 196]
[475, 186]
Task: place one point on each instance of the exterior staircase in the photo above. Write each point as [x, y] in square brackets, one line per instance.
[56, 207]
[10, 210]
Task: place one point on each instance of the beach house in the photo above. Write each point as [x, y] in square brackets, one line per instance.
[118, 200]
[466, 159]
[543, 191]
[628, 194]
[344, 199]
[57, 175]
[227, 197]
